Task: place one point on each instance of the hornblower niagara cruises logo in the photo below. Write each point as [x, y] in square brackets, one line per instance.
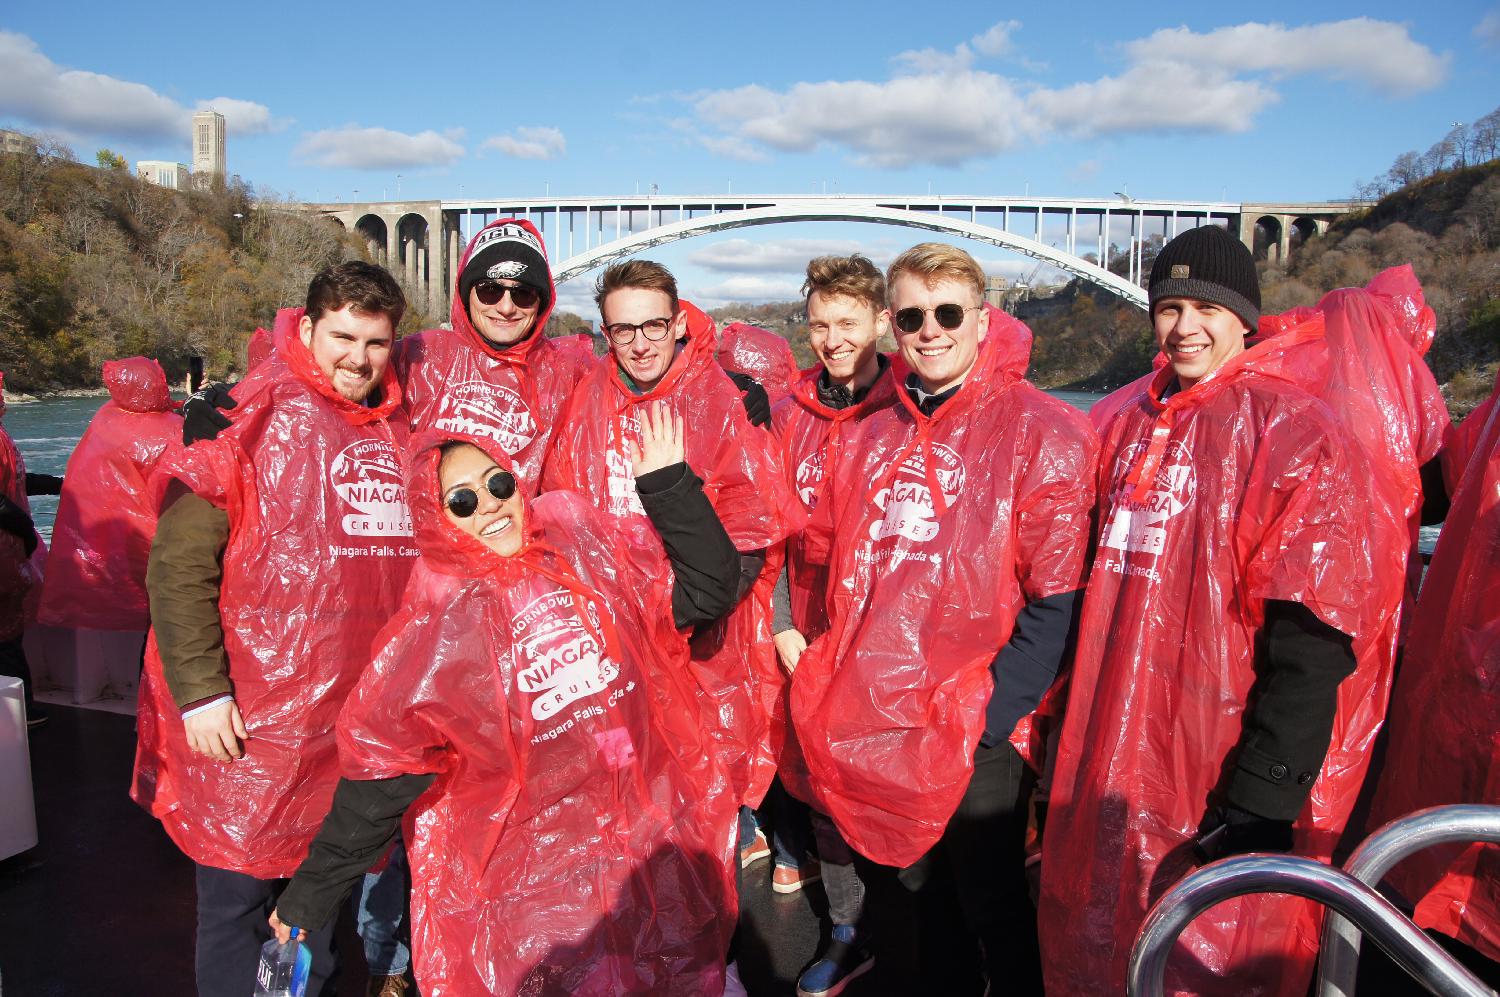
[907, 503]
[619, 476]
[474, 408]
[558, 660]
[367, 476]
[810, 478]
[1138, 529]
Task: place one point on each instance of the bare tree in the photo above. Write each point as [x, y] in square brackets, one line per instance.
[1407, 169]
[1486, 137]
[1461, 142]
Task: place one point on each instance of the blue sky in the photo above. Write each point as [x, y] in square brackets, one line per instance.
[1272, 101]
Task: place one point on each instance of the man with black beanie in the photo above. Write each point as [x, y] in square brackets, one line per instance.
[1228, 590]
[494, 374]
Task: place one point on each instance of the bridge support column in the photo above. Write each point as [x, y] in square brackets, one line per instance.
[1284, 250]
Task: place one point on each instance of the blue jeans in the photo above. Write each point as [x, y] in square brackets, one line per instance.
[791, 833]
[381, 916]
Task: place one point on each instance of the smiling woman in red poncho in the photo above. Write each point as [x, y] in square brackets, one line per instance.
[530, 713]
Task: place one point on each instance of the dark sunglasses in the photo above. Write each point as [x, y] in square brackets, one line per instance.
[490, 293]
[463, 501]
[950, 317]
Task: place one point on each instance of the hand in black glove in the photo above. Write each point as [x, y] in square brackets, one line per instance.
[201, 418]
[1228, 830]
[757, 402]
[43, 484]
[15, 521]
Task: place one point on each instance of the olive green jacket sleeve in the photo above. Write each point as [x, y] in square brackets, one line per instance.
[182, 580]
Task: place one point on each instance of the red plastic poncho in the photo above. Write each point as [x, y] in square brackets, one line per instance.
[1385, 397]
[456, 381]
[1463, 441]
[319, 551]
[809, 432]
[18, 575]
[938, 531]
[1238, 490]
[106, 516]
[580, 344]
[734, 660]
[258, 349]
[765, 356]
[1445, 713]
[579, 836]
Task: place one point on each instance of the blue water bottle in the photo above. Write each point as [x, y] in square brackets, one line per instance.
[283, 968]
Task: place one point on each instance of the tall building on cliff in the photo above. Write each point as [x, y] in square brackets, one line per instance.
[208, 146]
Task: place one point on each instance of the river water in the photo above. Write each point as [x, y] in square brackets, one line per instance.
[46, 432]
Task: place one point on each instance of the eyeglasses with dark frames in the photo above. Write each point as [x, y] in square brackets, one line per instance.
[654, 329]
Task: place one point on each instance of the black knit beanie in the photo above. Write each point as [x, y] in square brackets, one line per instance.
[1208, 264]
[506, 252]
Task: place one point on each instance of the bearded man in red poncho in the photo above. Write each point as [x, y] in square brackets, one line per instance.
[283, 547]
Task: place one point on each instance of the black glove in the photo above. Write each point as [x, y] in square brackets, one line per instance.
[1228, 830]
[201, 418]
[15, 521]
[43, 484]
[757, 402]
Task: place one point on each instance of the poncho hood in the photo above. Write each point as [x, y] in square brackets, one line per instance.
[137, 384]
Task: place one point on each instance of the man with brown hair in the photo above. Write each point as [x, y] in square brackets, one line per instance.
[284, 545]
[663, 350]
[954, 525]
[846, 316]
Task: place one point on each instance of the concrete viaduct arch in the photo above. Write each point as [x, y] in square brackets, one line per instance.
[837, 212]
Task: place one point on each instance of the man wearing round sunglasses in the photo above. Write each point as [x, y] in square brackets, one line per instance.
[495, 374]
[954, 525]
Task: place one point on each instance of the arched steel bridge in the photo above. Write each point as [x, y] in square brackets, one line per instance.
[423, 240]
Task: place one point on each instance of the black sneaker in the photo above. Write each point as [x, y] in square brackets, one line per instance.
[845, 960]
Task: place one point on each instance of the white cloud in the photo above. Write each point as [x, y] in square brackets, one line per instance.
[749, 288]
[996, 40]
[353, 147]
[530, 143]
[1380, 54]
[1086, 170]
[732, 147]
[938, 108]
[935, 118]
[37, 90]
[244, 117]
[1153, 97]
[1488, 29]
[785, 256]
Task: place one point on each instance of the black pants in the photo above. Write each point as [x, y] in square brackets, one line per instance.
[232, 926]
[14, 665]
[962, 912]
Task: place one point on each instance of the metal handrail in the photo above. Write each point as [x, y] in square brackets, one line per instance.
[1338, 960]
[1403, 941]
